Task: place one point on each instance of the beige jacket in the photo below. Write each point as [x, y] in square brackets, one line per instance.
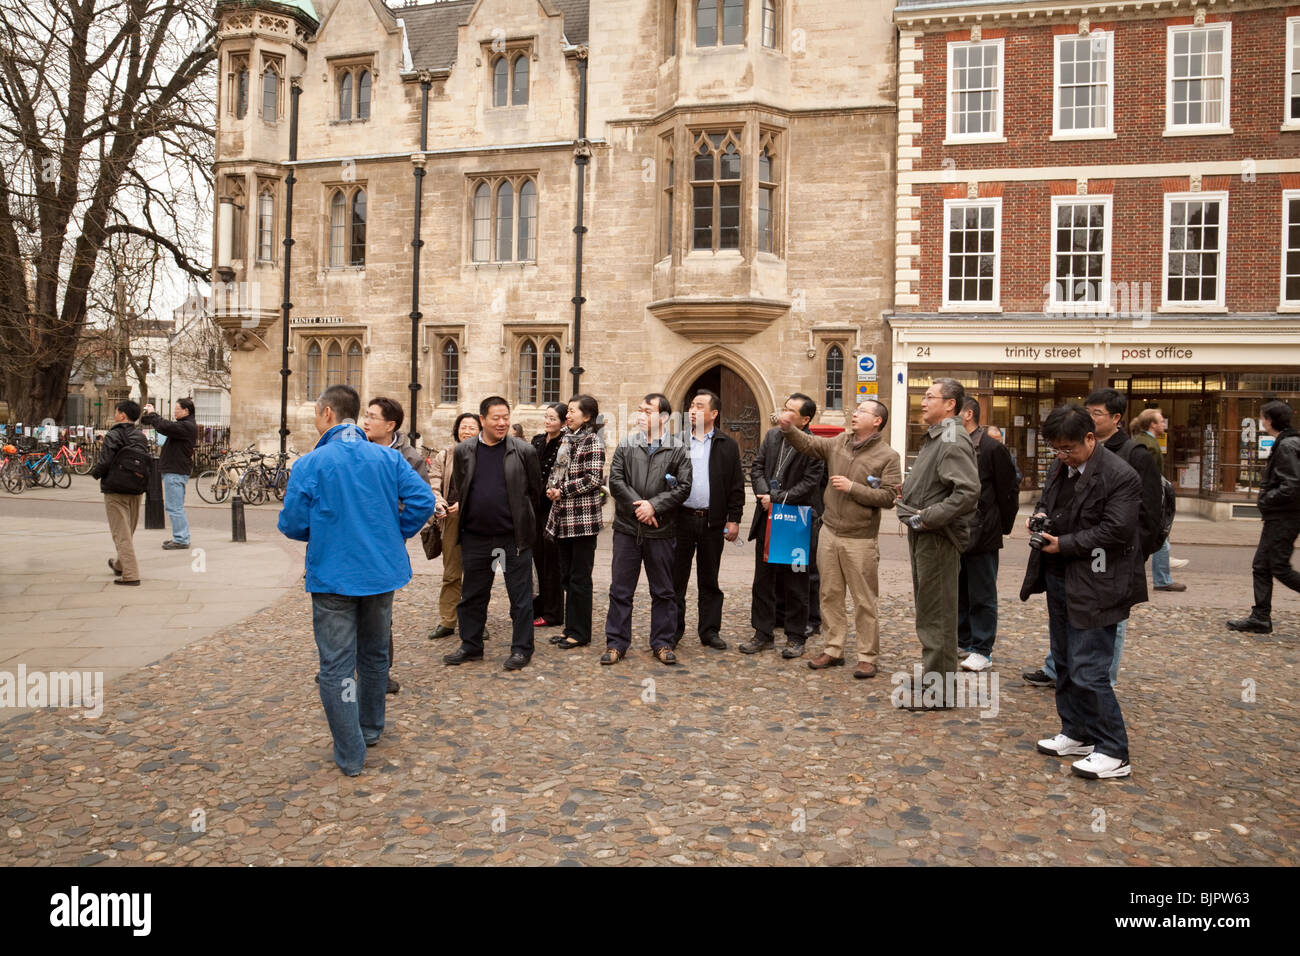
[854, 513]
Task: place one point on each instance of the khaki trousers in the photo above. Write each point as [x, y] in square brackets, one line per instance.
[123, 516]
[852, 564]
[451, 572]
[936, 565]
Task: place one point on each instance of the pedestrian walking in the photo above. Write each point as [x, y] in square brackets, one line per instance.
[548, 603]
[940, 495]
[574, 488]
[1147, 429]
[1279, 506]
[382, 424]
[176, 465]
[649, 479]
[355, 503]
[1086, 554]
[710, 515]
[498, 479]
[781, 475]
[123, 471]
[865, 477]
[995, 515]
[465, 428]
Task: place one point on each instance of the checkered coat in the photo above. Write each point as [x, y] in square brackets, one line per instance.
[577, 513]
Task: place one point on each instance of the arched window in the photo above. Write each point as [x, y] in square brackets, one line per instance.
[505, 221]
[767, 206]
[363, 95]
[550, 372]
[354, 364]
[528, 223]
[450, 373]
[519, 80]
[338, 231]
[769, 24]
[834, 379]
[500, 81]
[334, 365]
[270, 94]
[241, 92]
[358, 242]
[313, 372]
[265, 226]
[528, 373]
[715, 189]
[345, 97]
[482, 223]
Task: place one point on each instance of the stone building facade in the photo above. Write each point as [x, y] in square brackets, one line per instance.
[738, 202]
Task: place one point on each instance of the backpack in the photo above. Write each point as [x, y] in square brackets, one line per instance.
[128, 473]
[1168, 505]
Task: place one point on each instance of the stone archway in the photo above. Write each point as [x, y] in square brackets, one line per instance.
[747, 401]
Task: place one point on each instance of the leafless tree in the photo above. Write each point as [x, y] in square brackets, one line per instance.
[105, 132]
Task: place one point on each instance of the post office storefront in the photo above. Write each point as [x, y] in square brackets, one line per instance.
[1209, 376]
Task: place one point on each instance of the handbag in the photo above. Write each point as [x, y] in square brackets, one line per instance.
[431, 539]
[789, 535]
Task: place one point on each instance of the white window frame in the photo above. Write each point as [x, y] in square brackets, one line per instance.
[1054, 301]
[1292, 37]
[1181, 305]
[996, 136]
[1106, 132]
[1198, 129]
[961, 306]
[1285, 304]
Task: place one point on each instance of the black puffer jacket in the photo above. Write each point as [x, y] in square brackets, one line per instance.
[178, 451]
[1279, 492]
[637, 474]
[120, 435]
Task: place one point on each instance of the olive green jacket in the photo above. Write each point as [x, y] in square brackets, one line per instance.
[943, 486]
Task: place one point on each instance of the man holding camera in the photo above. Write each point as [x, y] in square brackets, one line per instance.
[1087, 556]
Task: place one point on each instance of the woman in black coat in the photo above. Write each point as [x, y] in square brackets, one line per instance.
[548, 604]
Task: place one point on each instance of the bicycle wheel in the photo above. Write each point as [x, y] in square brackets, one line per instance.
[81, 464]
[12, 479]
[42, 475]
[252, 488]
[60, 475]
[207, 485]
[279, 482]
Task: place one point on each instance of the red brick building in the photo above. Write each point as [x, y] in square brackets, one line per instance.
[1102, 195]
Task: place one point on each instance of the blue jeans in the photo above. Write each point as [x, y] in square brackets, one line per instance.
[1160, 575]
[1121, 630]
[1085, 700]
[352, 635]
[174, 503]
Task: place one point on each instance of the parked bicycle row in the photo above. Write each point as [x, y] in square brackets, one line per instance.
[254, 476]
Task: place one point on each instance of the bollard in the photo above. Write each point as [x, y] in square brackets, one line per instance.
[237, 518]
[154, 514]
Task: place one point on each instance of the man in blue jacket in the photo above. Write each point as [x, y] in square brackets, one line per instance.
[355, 503]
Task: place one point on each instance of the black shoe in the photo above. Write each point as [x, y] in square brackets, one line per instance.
[175, 546]
[1252, 625]
[112, 563]
[557, 638]
[460, 656]
[792, 650]
[755, 644]
[1039, 678]
[516, 662]
[393, 686]
[440, 632]
[131, 584]
[714, 641]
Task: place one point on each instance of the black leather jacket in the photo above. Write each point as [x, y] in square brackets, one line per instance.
[1279, 492]
[523, 484]
[637, 474]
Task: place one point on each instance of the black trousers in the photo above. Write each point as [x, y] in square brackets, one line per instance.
[814, 586]
[698, 540]
[577, 556]
[481, 557]
[977, 602]
[771, 580]
[548, 603]
[630, 552]
[1273, 560]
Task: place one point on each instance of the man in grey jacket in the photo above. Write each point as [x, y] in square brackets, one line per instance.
[384, 418]
[649, 479]
[940, 491]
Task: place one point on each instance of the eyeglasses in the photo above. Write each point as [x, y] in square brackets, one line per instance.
[370, 417]
[1066, 451]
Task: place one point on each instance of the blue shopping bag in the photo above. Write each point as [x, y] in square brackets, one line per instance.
[789, 535]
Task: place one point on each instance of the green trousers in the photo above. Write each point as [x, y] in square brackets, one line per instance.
[936, 564]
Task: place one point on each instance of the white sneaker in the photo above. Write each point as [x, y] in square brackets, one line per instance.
[1097, 766]
[1063, 746]
[976, 662]
[1178, 562]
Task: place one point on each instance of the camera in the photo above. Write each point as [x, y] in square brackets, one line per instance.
[1037, 525]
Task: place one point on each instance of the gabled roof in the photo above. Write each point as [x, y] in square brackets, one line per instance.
[431, 28]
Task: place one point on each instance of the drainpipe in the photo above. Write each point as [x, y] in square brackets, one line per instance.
[295, 90]
[581, 155]
[416, 245]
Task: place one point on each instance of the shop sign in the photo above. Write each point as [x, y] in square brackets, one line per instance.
[317, 320]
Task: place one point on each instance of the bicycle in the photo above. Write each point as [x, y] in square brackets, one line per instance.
[74, 459]
[40, 468]
[215, 485]
[274, 477]
[13, 475]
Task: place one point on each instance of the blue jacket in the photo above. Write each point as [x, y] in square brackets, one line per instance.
[355, 503]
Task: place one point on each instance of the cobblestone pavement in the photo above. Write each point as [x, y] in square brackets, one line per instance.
[219, 754]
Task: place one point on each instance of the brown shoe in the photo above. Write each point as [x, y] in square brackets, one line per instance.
[1171, 587]
[864, 671]
[823, 661]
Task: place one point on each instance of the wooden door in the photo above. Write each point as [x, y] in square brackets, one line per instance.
[741, 419]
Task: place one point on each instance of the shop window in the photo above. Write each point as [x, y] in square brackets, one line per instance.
[1195, 227]
[972, 243]
[1198, 72]
[1084, 83]
[975, 90]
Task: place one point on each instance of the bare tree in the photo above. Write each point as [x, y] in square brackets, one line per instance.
[105, 131]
